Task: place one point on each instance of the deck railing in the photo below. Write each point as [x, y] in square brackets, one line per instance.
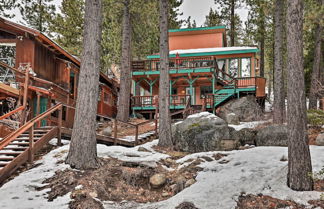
[148, 101]
[174, 63]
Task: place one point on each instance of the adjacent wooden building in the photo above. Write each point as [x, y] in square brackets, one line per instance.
[54, 73]
[204, 72]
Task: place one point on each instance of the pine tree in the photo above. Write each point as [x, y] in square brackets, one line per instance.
[259, 12]
[230, 18]
[37, 13]
[6, 6]
[279, 88]
[68, 25]
[164, 82]
[318, 33]
[213, 18]
[299, 159]
[174, 13]
[83, 148]
[125, 82]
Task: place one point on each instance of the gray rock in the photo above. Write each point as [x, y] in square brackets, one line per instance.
[244, 136]
[201, 132]
[245, 108]
[274, 135]
[143, 149]
[232, 118]
[158, 180]
[320, 139]
[107, 131]
[190, 182]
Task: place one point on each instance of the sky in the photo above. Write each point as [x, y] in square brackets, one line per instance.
[197, 9]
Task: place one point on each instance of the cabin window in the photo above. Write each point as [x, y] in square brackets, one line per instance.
[233, 67]
[246, 67]
[8, 56]
[205, 90]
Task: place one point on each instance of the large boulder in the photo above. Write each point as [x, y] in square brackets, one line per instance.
[202, 132]
[320, 139]
[232, 118]
[158, 180]
[274, 135]
[245, 108]
[244, 136]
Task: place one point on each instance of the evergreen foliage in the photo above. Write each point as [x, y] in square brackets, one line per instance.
[37, 13]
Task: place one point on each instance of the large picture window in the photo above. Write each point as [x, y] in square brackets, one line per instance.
[234, 67]
[246, 67]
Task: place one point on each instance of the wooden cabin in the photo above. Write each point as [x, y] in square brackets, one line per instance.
[204, 72]
[54, 73]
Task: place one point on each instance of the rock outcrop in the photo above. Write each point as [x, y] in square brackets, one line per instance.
[320, 139]
[203, 132]
[273, 135]
[245, 108]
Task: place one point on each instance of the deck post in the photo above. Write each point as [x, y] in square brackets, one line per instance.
[59, 131]
[31, 145]
[24, 113]
[38, 108]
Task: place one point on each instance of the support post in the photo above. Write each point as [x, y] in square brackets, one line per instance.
[38, 108]
[31, 145]
[59, 126]
[24, 113]
[170, 92]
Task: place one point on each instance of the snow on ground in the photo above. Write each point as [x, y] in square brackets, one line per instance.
[247, 124]
[21, 193]
[256, 170]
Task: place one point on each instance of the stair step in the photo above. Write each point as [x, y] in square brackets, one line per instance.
[10, 153]
[26, 139]
[15, 148]
[19, 143]
[6, 158]
[3, 164]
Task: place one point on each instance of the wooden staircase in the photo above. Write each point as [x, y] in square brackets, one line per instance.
[20, 146]
[18, 151]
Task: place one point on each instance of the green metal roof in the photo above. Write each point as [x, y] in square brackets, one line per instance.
[241, 51]
[197, 29]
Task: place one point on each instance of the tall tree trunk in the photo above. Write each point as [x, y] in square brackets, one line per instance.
[299, 159]
[262, 41]
[125, 74]
[232, 23]
[316, 65]
[279, 110]
[83, 148]
[164, 82]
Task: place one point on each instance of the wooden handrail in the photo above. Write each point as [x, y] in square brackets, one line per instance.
[11, 112]
[27, 126]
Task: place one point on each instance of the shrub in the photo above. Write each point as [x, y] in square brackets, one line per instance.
[315, 117]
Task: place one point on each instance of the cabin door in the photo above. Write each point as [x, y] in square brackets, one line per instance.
[43, 107]
[193, 95]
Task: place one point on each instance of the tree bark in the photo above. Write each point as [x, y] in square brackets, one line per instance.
[279, 110]
[316, 65]
[125, 74]
[164, 82]
[299, 159]
[83, 148]
[232, 23]
[262, 41]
